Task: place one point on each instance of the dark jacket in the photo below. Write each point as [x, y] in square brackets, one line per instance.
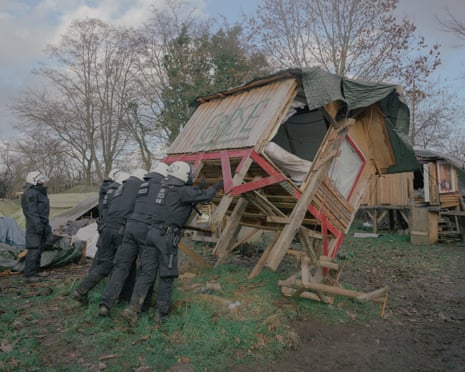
[145, 200]
[36, 209]
[122, 203]
[106, 202]
[106, 183]
[174, 202]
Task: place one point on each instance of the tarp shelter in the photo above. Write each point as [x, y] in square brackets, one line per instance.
[73, 207]
[296, 151]
[72, 211]
[11, 233]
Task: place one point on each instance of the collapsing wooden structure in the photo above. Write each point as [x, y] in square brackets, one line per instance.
[296, 151]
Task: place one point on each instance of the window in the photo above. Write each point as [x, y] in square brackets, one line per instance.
[346, 168]
[446, 178]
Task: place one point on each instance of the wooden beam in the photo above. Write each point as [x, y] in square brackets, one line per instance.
[290, 292]
[244, 239]
[229, 234]
[338, 291]
[278, 219]
[261, 261]
[307, 246]
[315, 178]
[226, 200]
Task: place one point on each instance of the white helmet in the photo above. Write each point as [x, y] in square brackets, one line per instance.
[121, 176]
[139, 173]
[35, 177]
[113, 172]
[160, 168]
[181, 170]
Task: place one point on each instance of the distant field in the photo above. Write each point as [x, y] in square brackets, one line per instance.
[59, 203]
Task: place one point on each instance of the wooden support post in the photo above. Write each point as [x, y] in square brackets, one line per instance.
[375, 296]
[224, 244]
[261, 261]
[295, 220]
[308, 246]
[226, 200]
[375, 221]
[314, 179]
[244, 239]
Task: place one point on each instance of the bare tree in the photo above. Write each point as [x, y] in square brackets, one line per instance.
[453, 24]
[434, 121]
[38, 151]
[91, 79]
[164, 26]
[186, 57]
[353, 38]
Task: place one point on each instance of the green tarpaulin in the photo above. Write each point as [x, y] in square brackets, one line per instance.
[322, 88]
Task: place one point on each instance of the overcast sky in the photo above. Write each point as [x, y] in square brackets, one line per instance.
[27, 26]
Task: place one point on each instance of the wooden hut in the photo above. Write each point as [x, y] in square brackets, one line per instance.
[387, 201]
[296, 151]
[428, 200]
[438, 209]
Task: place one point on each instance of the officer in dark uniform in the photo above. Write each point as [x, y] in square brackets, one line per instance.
[121, 207]
[173, 206]
[108, 183]
[36, 209]
[134, 238]
[107, 188]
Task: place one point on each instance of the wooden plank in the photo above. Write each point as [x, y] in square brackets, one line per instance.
[262, 203]
[237, 121]
[261, 261]
[229, 234]
[278, 219]
[433, 185]
[297, 215]
[226, 200]
[338, 291]
[290, 292]
[307, 246]
[244, 239]
[326, 262]
[372, 295]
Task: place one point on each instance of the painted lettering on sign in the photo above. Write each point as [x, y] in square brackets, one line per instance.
[226, 127]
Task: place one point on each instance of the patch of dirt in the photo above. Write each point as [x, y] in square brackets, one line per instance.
[423, 328]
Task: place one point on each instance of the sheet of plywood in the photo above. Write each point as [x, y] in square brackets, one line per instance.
[245, 119]
[371, 136]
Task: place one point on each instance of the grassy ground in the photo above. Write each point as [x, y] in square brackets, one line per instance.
[219, 317]
[220, 320]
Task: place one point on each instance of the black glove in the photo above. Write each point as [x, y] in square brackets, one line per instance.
[202, 183]
[218, 185]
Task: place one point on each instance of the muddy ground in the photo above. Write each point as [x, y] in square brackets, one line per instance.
[423, 328]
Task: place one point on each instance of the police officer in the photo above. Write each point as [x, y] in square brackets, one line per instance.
[121, 205]
[36, 209]
[173, 206]
[108, 183]
[134, 238]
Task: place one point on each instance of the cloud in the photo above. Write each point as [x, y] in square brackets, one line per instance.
[27, 27]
